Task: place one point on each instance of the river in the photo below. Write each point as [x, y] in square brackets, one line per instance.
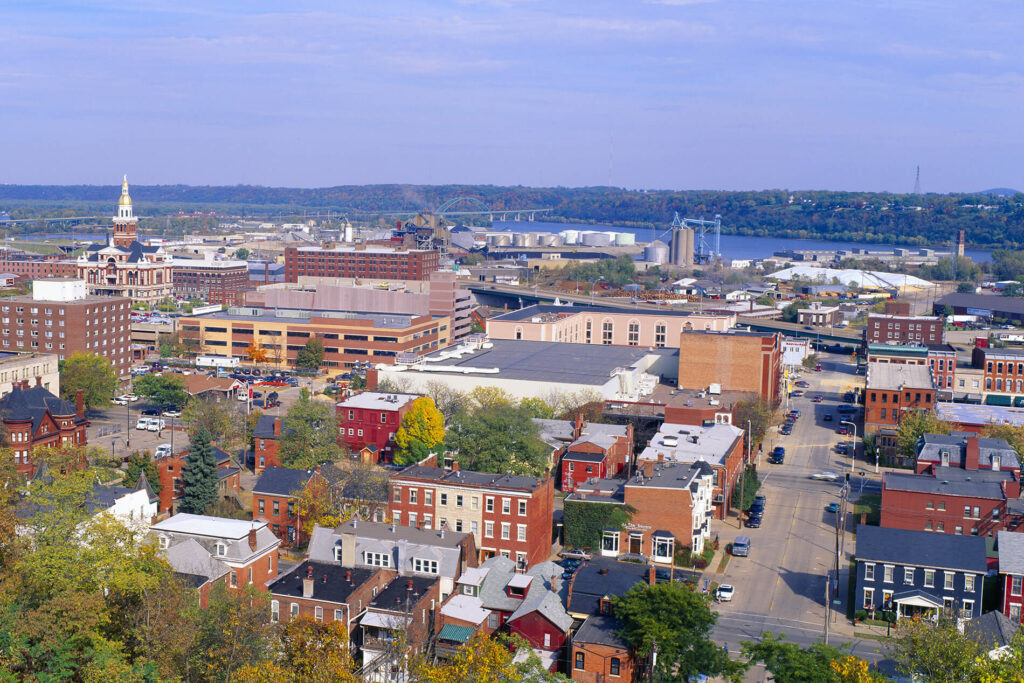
[733, 246]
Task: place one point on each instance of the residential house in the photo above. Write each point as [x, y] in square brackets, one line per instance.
[35, 418]
[584, 450]
[325, 592]
[892, 391]
[135, 503]
[369, 421]
[507, 514]
[249, 549]
[403, 611]
[966, 451]
[266, 440]
[194, 565]
[410, 552]
[275, 498]
[598, 581]
[719, 445]
[171, 469]
[993, 631]
[599, 654]
[919, 574]
[1011, 572]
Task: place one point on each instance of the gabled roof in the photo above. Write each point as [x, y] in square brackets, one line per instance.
[265, 427]
[590, 585]
[190, 558]
[33, 404]
[282, 481]
[1011, 552]
[931, 446]
[921, 548]
[599, 629]
[991, 630]
[548, 605]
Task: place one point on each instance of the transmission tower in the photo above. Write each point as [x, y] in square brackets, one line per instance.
[917, 181]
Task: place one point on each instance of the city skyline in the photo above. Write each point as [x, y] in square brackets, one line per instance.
[669, 94]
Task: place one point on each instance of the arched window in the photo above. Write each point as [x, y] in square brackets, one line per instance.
[633, 337]
[607, 329]
[519, 332]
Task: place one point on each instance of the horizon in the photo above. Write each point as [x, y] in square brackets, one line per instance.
[739, 96]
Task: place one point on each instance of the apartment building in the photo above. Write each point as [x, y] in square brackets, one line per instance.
[35, 418]
[60, 317]
[734, 361]
[370, 419]
[893, 390]
[900, 329]
[360, 261]
[210, 278]
[940, 358]
[1003, 373]
[38, 369]
[348, 338]
[508, 515]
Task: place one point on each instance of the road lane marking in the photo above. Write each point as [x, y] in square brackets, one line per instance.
[782, 562]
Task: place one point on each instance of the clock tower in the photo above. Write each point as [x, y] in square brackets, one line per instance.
[126, 226]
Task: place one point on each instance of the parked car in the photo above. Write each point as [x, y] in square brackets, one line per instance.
[574, 553]
[825, 476]
[163, 450]
[786, 430]
[827, 417]
[755, 510]
[842, 430]
[760, 498]
[153, 412]
[803, 383]
[156, 425]
[841, 448]
[817, 368]
[725, 593]
[741, 546]
[142, 423]
[243, 395]
[818, 398]
[119, 401]
[172, 411]
[832, 507]
[753, 521]
[847, 408]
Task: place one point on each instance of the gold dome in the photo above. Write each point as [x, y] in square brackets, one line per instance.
[126, 199]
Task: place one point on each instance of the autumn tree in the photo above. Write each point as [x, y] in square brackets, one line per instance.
[90, 374]
[421, 431]
[446, 399]
[482, 659]
[227, 427]
[787, 661]
[231, 634]
[311, 651]
[309, 434]
[913, 425]
[199, 480]
[935, 652]
[756, 411]
[1011, 434]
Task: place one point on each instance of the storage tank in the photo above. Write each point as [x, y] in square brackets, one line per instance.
[499, 239]
[656, 252]
[349, 233]
[523, 239]
[596, 239]
[549, 239]
[570, 236]
[690, 251]
[681, 253]
[625, 239]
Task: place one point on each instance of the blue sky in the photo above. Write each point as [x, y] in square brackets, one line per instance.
[681, 94]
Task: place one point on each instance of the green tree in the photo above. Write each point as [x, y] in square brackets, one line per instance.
[139, 463]
[756, 411]
[935, 652]
[743, 494]
[421, 431]
[810, 361]
[90, 374]
[222, 419]
[914, 425]
[242, 253]
[199, 481]
[790, 313]
[311, 355]
[231, 634]
[163, 389]
[537, 408]
[310, 432]
[498, 438]
[676, 620]
[966, 288]
[816, 663]
[167, 305]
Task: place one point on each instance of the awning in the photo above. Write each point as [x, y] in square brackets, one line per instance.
[455, 633]
[385, 620]
[916, 598]
[997, 400]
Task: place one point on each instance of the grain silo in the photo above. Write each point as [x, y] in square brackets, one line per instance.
[656, 252]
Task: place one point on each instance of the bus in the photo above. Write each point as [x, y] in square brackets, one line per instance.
[216, 362]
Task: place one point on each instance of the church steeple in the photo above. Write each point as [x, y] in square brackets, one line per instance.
[125, 224]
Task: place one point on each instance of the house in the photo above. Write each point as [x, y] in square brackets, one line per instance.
[325, 592]
[720, 445]
[993, 631]
[1011, 572]
[495, 595]
[266, 440]
[940, 358]
[966, 451]
[431, 553]
[817, 315]
[370, 419]
[194, 565]
[597, 581]
[405, 607]
[892, 391]
[507, 514]
[600, 654]
[919, 574]
[584, 450]
[212, 388]
[127, 503]
[248, 549]
[171, 469]
[274, 499]
[35, 418]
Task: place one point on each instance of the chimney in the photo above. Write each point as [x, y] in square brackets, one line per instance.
[403, 553]
[252, 540]
[648, 469]
[577, 427]
[661, 457]
[651, 576]
[80, 404]
[348, 576]
[410, 586]
[39, 382]
[277, 426]
[325, 579]
[371, 379]
[971, 453]
[455, 465]
[348, 551]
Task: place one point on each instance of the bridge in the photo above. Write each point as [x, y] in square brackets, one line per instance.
[54, 220]
[519, 297]
[480, 209]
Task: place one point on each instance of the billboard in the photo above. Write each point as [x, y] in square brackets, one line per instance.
[983, 312]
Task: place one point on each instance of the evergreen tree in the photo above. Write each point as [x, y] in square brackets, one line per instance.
[199, 490]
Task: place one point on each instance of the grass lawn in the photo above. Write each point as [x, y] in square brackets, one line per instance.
[871, 504]
[723, 564]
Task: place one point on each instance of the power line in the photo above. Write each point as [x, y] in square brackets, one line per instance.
[917, 181]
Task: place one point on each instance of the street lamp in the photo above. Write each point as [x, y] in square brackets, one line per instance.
[853, 446]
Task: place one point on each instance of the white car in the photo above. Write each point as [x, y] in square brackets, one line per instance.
[131, 398]
[243, 395]
[173, 412]
[724, 593]
[825, 476]
[119, 401]
[163, 450]
[143, 423]
[156, 424]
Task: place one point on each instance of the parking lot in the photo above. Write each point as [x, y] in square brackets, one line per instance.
[781, 585]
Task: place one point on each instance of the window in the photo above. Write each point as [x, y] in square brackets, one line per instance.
[968, 608]
[969, 583]
[613, 666]
[959, 531]
[442, 499]
[222, 550]
[941, 527]
[869, 598]
[659, 335]
[522, 508]
[424, 566]
[948, 582]
[458, 501]
[428, 497]
[338, 615]
[488, 529]
[633, 333]
[610, 541]
[506, 531]
[967, 511]
[663, 548]
[928, 526]
[869, 571]
[412, 519]
[492, 620]
[930, 505]
[413, 495]
[942, 506]
[295, 610]
[378, 559]
[929, 578]
[1016, 585]
[606, 332]
[275, 611]
[473, 526]
[580, 661]
[428, 521]
[318, 613]
[506, 506]
[1015, 612]
[277, 507]
[908, 575]
[458, 525]
[397, 495]
[887, 573]
[521, 532]
[948, 604]
[397, 518]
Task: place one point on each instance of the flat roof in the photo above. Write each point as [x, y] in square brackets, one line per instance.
[206, 525]
[374, 400]
[550, 309]
[693, 443]
[896, 376]
[393, 322]
[979, 414]
[365, 250]
[544, 361]
[989, 302]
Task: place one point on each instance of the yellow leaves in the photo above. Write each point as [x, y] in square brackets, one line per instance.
[256, 353]
[490, 397]
[850, 669]
[483, 660]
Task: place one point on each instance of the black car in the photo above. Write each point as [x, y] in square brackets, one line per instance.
[828, 417]
[776, 460]
[151, 411]
[786, 430]
[753, 522]
[755, 510]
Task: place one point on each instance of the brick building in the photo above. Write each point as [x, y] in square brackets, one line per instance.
[819, 316]
[1003, 371]
[893, 390]
[171, 468]
[508, 515]
[325, 591]
[360, 262]
[39, 268]
[249, 550]
[582, 450]
[348, 337]
[901, 329]
[940, 358]
[599, 653]
[1011, 573]
[406, 606]
[35, 418]
[59, 317]
[371, 419]
[274, 500]
[266, 440]
[211, 278]
[736, 361]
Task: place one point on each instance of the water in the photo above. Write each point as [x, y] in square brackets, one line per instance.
[733, 246]
[80, 236]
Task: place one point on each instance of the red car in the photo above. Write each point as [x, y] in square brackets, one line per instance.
[817, 368]
[818, 399]
[842, 430]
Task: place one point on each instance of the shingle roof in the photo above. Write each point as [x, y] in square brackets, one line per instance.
[950, 481]
[547, 604]
[33, 404]
[265, 428]
[600, 630]
[468, 477]
[1011, 552]
[282, 481]
[931, 446]
[331, 582]
[991, 630]
[589, 585]
[921, 548]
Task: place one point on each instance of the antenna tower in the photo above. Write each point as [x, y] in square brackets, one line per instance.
[917, 181]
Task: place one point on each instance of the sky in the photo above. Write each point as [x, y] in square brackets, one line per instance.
[655, 94]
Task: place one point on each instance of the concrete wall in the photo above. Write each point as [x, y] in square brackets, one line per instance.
[573, 328]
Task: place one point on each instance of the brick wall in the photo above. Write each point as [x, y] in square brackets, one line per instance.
[738, 362]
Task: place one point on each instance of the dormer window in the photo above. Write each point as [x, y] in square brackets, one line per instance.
[945, 458]
[164, 542]
[221, 549]
[996, 462]
[424, 566]
[469, 590]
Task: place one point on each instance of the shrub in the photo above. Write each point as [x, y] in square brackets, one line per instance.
[700, 563]
[860, 615]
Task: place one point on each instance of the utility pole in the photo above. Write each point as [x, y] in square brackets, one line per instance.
[828, 603]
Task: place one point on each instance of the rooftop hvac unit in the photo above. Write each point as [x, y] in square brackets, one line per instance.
[715, 389]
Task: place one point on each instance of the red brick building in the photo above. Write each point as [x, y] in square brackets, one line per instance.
[171, 468]
[735, 361]
[325, 591]
[275, 499]
[940, 358]
[266, 440]
[508, 515]
[1003, 368]
[360, 262]
[406, 606]
[892, 391]
[599, 654]
[899, 329]
[203, 278]
[1011, 573]
[39, 268]
[35, 418]
[582, 450]
[371, 419]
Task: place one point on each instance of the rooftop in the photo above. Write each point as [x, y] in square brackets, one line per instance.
[600, 630]
[331, 581]
[951, 481]
[992, 630]
[930, 448]
[558, 433]
[550, 312]
[977, 414]
[692, 443]
[467, 478]
[406, 588]
[985, 302]
[921, 548]
[897, 376]
[1011, 552]
[364, 250]
[671, 475]
[603, 577]
[282, 481]
[250, 314]
[373, 400]
[206, 525]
